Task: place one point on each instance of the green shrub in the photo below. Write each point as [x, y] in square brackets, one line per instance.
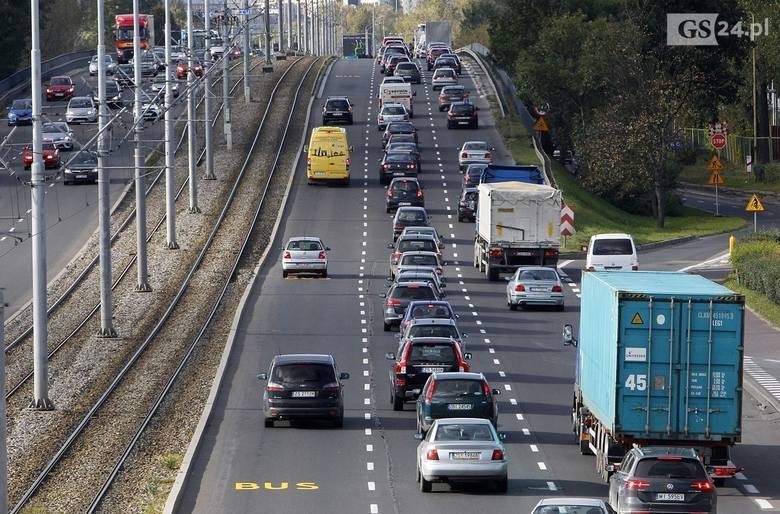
[756, 264]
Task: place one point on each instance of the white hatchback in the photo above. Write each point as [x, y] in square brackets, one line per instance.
[305, 255]
[390, 113]
[444, 77]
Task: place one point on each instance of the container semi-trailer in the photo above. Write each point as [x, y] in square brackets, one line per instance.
[659, 363]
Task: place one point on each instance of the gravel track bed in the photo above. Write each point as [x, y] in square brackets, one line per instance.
[147, 476]
[84, 368]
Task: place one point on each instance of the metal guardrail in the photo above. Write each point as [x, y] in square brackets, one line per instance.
[49, 68]
[478, 60]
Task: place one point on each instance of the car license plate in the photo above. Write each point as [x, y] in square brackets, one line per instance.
[336, 114]
[464, 455]
[81, 176]
[304, 394]
[404, 203]
[463, 123]
[59, 94]
[459, 406]
[539, 289]
[431, 370]
[319, 173]
[670, 497]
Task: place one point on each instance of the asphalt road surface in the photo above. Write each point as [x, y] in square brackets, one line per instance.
[368, 466]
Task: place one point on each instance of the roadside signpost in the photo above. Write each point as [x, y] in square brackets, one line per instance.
[719, 135]
[715, 166]
[755, 206]
[567, 222]
[541, 125]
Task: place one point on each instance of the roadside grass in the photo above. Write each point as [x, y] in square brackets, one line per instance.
[765, 307]
[594, 215]
[735, 176]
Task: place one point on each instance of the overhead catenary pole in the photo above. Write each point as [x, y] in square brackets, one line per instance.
[289, 26]
[207, 95]
[247, 90]
[3, 449]
[140, 176]
[267, 33]
[315, 19]
[306, 34]
[191, 140]
[104, 192]
[227, 126]
[280, 26]
[299, 40]
[170, 172]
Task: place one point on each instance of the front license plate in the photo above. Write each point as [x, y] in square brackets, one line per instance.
[336, 114]
[670, 497]
[431, 370]
[59, 94]
[304, 394]
[459, 406]
[81, 176]
[464, 455]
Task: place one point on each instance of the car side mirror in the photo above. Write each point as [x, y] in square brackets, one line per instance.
[306, 149]
[464, 335]
[390, 356]
[568, 336]
[496, 391]
[419, 435]
[343, 376]
[502, 436]
[351, 148]
[262, 376]
[467, 356]
[457, 316]
[327, 248]
[390, 246]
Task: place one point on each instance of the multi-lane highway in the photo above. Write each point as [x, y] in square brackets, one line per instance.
[368, 466]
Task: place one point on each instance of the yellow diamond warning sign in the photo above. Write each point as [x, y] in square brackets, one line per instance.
[541, 125]
[754, 205]
[637, 320]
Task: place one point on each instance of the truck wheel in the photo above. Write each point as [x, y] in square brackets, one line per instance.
[492, 273]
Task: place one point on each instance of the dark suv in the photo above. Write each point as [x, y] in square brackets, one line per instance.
[462, 114]
[461, 395]
[404, 191]
[409, 71]
[416, 360]
[398, 297]
[303, 386]
[661, 479]
[337, 109]
[451, 94]
[467, 204]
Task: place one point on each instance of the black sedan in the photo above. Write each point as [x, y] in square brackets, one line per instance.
[398, 127]
[404, 191]
[82, 167]
[462, 114]
[397, 164]
[405, 146]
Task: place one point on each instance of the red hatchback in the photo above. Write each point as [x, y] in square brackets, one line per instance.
[51, 156]
[60, 88]
[182, 67]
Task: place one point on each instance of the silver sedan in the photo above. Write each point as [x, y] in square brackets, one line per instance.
[474, 152]
[305, 255]
[534, 285]
[59, 134]
[571, 505]
[462, 449]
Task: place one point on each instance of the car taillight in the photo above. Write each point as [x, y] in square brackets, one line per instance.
[419, 193]
[286, 255]
[725, 472]
[398, 226]
[432, 455]
[449, 114]
[439, 271]
[551, 253]
[442, 97]
[347, 163]
[557, 289]
[323, 255]
[70, 89]
[272, 386]
[401, 367]
[497, 455]
[333, 387]
[392, 302]
[411, 166]
[464, 155]
[637, 484]
[429, 394]
[474, 114]
[520, 288]
[389, 193]
[496, 252]
[703, 486]
[486, 389]
[48, 90]
[634, 268]
[396, 256]
[488, 156]
[386, 166]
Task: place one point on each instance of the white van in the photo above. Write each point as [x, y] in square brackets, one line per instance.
[397, 93]
[611, 252]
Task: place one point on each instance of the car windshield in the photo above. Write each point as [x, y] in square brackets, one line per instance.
[85, 158]
[21, 104]
[80, 102]
[432, 352]
[60, 81]
[431, 311]
[413, 292]
[304, 245]
[667, 468]
[308, 373]
[457, 432]
[433, 331]
[538, 274]
[394, 110]
[419, 260]
[612, 247]
[50, 127]
[459, 387]
[417, 245]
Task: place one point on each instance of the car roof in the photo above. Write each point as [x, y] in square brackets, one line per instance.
[436, 303]
[303, 357]
[615, 235]
[404, 179]
[535, 268]
[462, 421]
[417, 236]
[458, 375]
[337, 98]
[418, 252]
[655, 451]
[411, 208]
[427, 340]
[572, 500]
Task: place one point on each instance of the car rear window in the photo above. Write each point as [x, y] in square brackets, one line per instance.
[405, 185]
[433, 331]
[399, 157]
[394, 110]
[620, 246]
[411, 216]
[305, 246]
[461, 109]
[419, 260]
[666, 468]
[404, 66]
[458, 387]
[538, 275]
[471, 196]
[477, 145]
[310, 373]
[417, 245]
[432, 352]
[60, 81]
[413, 292]
[442, 72]
[338, 105]
[464, 433]
[400, 127]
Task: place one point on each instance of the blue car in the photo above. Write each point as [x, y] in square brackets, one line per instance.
[20, 111]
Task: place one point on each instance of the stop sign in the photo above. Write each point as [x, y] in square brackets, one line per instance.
[718, 141]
